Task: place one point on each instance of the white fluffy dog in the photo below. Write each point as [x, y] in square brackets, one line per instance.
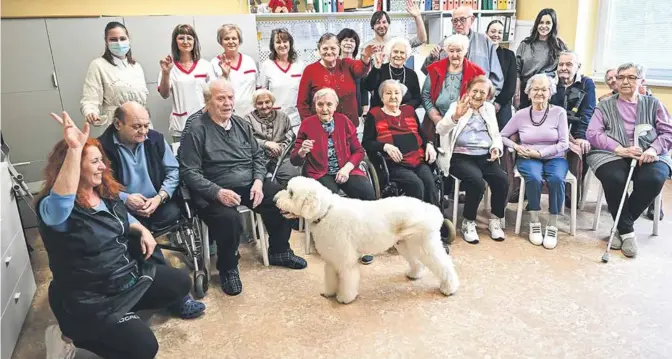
[343, 229]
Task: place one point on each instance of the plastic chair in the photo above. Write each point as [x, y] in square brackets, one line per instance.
[456, 199]
[656, 209]
[259, 230]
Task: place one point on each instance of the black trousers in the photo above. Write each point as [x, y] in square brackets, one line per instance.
[225, 225]
[504, 115]
[647, 179]
[474, 172]
[130, 337]
[416, 182]
[165, 215]
[355, 187]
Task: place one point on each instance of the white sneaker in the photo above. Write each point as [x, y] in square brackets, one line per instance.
[496, 232]
[551, 237]
[57, 348]
[535, 234]
[469, 232]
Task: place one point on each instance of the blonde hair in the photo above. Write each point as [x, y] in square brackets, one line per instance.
[224, 29]
[262, 92]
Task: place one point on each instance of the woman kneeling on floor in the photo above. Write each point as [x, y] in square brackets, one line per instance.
[329, 151]
[472, 146]
[544, 140]
[97, 255]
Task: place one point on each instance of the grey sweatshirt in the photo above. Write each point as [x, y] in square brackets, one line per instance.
[535, 58]
[483, 53]
[213, 157]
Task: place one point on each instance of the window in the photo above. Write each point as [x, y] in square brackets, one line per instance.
[637, 31]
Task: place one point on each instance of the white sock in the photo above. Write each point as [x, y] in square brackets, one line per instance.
[553, 220]
[534, 216]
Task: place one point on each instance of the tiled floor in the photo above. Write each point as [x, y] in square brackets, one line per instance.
[515, 301]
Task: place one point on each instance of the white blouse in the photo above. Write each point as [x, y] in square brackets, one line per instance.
[243, 78]
[284, 85]
[107, 87]
[186, 89]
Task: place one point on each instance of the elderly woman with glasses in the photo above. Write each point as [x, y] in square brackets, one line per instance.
[611, 133]
[273, 131]
[544, 141]
[446, 81]
[396, 51]
[329, 151]
[471, 149]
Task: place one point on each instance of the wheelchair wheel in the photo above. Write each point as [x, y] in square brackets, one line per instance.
[200, 285]
[451, 232]
[371, 174]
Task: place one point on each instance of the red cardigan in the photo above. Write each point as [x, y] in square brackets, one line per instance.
[341, 79]
[346, 144]
[437, 74]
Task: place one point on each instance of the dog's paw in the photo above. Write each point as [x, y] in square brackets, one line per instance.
[328, 295]
[449, 288]
[346, 299]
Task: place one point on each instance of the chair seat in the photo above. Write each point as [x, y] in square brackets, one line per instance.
[568, 178]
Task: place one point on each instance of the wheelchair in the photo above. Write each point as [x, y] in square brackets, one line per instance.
[384, 187]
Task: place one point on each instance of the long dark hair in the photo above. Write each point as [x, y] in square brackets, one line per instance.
[492, 23]
[349, 34]
[284, 35]
[185, 29]
[554, 43]
[107, 55]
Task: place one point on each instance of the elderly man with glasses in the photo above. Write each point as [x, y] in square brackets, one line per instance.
[481, 50]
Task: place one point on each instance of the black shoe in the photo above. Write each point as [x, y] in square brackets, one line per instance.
[287, 259]
[230, 281]
[366, 259]
[461, 198]
[649, 212]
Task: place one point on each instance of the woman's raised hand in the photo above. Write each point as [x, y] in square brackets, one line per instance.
[73, 136]
[166, 64]
[462, 107]
[225, 65]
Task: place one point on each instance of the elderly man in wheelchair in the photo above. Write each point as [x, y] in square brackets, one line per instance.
[143, 163]
[403, 157]
[329, 151]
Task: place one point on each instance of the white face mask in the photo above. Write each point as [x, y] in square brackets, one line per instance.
[119, 48]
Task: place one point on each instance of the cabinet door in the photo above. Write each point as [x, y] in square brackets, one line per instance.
[150, 39]
[28, 129]
[159, 111]
[26, 56]
[75, 43]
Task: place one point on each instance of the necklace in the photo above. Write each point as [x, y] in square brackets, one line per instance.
[396, 76]
[543, 119]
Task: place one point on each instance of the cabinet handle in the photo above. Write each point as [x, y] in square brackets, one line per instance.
[53, 79]
[7, 260]
[16, 297]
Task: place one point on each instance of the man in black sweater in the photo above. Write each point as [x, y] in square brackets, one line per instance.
[223, 166]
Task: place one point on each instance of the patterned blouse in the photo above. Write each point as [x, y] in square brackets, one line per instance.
[332, 167]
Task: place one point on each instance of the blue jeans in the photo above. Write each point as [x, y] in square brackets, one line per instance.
[553, 171]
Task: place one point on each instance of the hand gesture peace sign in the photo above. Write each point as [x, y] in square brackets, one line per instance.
[73, 136]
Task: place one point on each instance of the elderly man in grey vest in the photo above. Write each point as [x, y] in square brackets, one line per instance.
[481, 50]
[611, 134]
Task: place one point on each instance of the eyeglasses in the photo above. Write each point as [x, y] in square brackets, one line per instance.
[631, 78]
[459, 20]
[281, 29]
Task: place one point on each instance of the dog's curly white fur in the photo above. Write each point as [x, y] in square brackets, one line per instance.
[343, 229]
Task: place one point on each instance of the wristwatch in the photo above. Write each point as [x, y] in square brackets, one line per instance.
[164, 196]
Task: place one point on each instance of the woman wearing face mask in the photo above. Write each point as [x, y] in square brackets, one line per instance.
[281, 74]
[507, 60]
[112, 79]
[239, 69]
[184, 75]
[446, 81]
[544, 141]
[539, 52]
[472, 146]
[273, 132]
[335, 73]
[396, 51]
[349, 41]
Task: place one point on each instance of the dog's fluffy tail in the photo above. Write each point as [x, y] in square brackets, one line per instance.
[430, 219]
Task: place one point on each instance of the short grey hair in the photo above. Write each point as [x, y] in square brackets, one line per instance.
[324, 92]
[457, 40]
[551, 83]
[571, 53]
[641, 71]
[394, 42]
[606, 74]
[207, 91]
[392, 82]
[262, 92]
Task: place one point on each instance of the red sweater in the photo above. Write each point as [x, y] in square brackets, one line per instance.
[341, 79]
[346, 144]
[437, 74]
[273, 4]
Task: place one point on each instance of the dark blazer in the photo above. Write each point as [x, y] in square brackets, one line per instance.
[377, 76]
